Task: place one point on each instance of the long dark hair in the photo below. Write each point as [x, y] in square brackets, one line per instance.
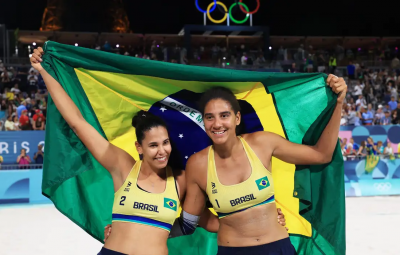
[39, 122]
[143, 122]
[219, 93]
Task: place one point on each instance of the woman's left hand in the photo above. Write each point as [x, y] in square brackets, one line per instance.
[338, 85]
[107, 232]
[281, 218]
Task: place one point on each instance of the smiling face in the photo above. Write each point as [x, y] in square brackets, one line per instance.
[155, 147]
[220, 120]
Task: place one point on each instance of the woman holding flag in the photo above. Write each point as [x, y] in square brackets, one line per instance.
[148, 192]
[235, 174]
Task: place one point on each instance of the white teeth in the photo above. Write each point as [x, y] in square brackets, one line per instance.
[219, 133]
[162, 159]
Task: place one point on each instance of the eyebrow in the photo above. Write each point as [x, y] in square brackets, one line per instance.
[155, 143]
[226, 112]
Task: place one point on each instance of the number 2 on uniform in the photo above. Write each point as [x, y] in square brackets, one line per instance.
[122, 200]
[217, 203]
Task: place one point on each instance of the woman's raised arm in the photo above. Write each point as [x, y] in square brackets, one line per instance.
[114, 159]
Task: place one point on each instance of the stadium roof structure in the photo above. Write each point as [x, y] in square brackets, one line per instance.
[91, 38]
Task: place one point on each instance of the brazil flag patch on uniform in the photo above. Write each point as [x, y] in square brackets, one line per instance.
[170, 203]
[262, 183]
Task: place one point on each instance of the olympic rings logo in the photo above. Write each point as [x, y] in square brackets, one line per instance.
[384, 186]
[213, 5]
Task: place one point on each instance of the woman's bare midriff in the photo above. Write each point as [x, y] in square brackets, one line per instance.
[254, 226]
[137, 239]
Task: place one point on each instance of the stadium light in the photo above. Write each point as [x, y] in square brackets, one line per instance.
[359, 49]
[224, 57]
[117, 45]
[34, 44]
[30, 55]
[158, 45]
[270, 48]
[227, 64]
[76, 44]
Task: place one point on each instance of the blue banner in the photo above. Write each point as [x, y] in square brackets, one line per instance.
[11, 143]
[383, 180]
[21, 186]
[24, 186]
[385, 134]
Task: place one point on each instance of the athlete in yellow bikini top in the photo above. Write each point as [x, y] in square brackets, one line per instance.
[258, 189]
[132, 204]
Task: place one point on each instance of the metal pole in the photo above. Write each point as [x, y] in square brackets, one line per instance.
[205, 19]
[2, 28]
[8, 47]
[228, 20]
[187, 40]
[251, 20]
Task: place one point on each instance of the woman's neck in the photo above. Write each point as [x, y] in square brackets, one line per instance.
[227, 149]
[148, 170]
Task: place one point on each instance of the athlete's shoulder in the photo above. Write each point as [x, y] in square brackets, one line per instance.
[258, 137]
[261, 140]
[198, 162]
[199, 157]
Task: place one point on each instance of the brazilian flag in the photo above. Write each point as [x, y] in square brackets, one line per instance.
[109, 89]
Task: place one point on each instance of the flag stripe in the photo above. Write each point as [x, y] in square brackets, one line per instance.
[97, 82]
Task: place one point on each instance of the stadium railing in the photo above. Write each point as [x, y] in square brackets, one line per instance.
[20, 167]
[358, 157]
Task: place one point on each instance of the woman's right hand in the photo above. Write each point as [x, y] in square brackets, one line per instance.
[107, 232]
[37, 58]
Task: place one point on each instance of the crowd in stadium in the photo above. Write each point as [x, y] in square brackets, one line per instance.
[352, 150]
[23, 99]
[372, 99]
[373, 96]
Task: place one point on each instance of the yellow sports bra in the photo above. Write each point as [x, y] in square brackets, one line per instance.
[131, 204]
[258, 189]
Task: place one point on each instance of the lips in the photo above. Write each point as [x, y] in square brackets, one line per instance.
[161, 159]
[218, 133]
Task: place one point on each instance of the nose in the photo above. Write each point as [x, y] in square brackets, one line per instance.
[161, 150]
[217, 123]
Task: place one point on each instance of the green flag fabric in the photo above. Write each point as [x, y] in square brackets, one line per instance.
[109, 89]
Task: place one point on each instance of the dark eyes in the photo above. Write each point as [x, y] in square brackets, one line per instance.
[222, 116]
[155, 145]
